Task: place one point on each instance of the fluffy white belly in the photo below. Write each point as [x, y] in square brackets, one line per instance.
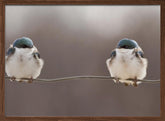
[22, 65]
[125, 66]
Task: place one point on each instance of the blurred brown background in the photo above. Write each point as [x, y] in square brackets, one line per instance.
[77, 40]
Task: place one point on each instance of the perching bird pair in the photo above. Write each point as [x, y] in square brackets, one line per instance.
[126, 61]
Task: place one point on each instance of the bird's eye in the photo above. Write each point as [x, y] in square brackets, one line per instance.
[24, 46]
[125, 46]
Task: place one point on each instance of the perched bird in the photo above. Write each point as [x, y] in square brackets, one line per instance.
[23, 60]
[127, 62]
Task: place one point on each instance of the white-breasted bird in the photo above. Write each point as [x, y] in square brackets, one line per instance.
[127, 62]
[23, 60]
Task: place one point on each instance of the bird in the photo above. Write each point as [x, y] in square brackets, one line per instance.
[126, 62]
[23, 60]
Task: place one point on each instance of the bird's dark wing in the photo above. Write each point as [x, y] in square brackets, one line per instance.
[139, 54]
[10, 51]
[36, 55]
[113, 54]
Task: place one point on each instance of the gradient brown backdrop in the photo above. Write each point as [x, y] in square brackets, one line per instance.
[77, 40]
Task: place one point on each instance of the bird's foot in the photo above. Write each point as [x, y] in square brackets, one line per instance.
[116, 80]
[135, 82]
[21, 80]
[126, 84]
[30, 80]
[12, 78]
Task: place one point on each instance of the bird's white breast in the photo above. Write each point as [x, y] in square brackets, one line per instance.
[23, 65]
[126, 65]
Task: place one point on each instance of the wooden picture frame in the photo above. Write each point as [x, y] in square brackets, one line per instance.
[3, 3]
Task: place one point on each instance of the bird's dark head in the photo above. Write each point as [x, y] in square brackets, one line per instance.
[127, 44]
[23, 42]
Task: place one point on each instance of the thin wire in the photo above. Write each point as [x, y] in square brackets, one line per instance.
[84, 77]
